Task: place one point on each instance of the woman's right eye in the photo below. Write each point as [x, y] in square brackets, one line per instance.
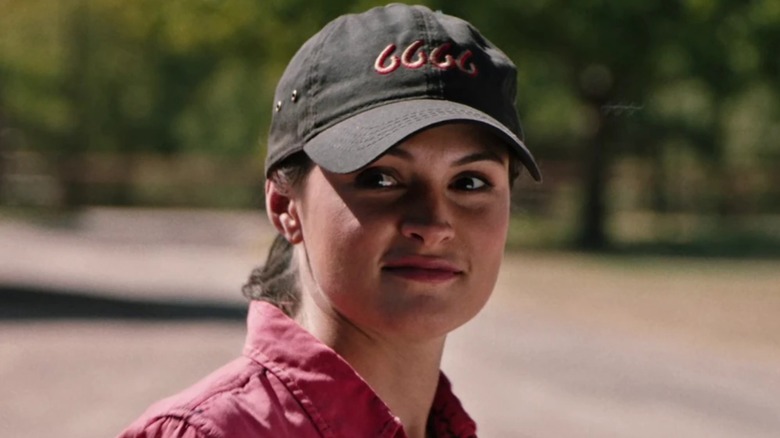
[376, 178]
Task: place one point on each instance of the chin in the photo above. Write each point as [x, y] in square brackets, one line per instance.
[427, 318]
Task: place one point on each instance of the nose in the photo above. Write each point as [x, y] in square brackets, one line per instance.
[427, 220]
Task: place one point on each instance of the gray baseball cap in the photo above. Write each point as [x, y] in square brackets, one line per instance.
[368, 81]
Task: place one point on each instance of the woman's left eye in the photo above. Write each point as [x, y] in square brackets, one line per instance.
[376, 178]
[470, 183]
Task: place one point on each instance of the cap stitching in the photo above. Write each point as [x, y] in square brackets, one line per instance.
[432, 87]
[315, 83]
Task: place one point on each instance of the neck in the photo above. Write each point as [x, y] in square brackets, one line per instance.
[404, 377]
[404, 374]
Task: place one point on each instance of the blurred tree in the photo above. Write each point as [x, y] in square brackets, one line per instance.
[596, 57]
[162, 77]
[599, 81]
[602, 79]
[764, 37]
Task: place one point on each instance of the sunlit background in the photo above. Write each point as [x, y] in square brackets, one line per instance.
[641, 290]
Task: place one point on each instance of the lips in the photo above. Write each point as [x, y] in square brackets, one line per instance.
[423, 268]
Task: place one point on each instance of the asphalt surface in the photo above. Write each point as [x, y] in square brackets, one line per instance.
[115, 309]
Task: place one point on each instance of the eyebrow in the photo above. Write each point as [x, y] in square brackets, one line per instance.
[480, 156]
[471, 158]
[400, 153]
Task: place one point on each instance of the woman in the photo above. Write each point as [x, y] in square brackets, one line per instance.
[392, 150]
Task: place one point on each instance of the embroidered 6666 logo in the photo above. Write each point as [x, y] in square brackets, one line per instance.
[415, 56]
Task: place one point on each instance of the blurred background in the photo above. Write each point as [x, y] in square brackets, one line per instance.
[641, 292]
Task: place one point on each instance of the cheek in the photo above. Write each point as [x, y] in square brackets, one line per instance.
[340, 246]
[327, 224]
[487, 232]
[489, 225]
[496, 229]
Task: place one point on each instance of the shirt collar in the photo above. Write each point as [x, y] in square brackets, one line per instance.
[448, 417]
[314, 373]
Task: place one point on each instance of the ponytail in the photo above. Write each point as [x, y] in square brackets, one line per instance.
[277, 280]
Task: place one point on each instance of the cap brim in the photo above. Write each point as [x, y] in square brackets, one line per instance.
[359, 140]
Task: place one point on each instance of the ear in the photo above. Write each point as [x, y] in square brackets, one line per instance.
[282, 210]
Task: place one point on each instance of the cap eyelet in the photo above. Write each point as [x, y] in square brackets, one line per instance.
[294, 97]
[278, 106]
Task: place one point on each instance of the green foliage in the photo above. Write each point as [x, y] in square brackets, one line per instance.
[600, 82]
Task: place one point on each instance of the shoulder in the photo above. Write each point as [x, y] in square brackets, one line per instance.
[241, 399]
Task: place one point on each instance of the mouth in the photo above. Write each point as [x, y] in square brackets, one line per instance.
[423, 269]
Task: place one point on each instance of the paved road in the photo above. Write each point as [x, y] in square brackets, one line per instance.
[540, 363]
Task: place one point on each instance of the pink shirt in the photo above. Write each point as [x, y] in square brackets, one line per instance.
[288, 384]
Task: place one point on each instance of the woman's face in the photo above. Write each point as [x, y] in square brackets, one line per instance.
[410, 245]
